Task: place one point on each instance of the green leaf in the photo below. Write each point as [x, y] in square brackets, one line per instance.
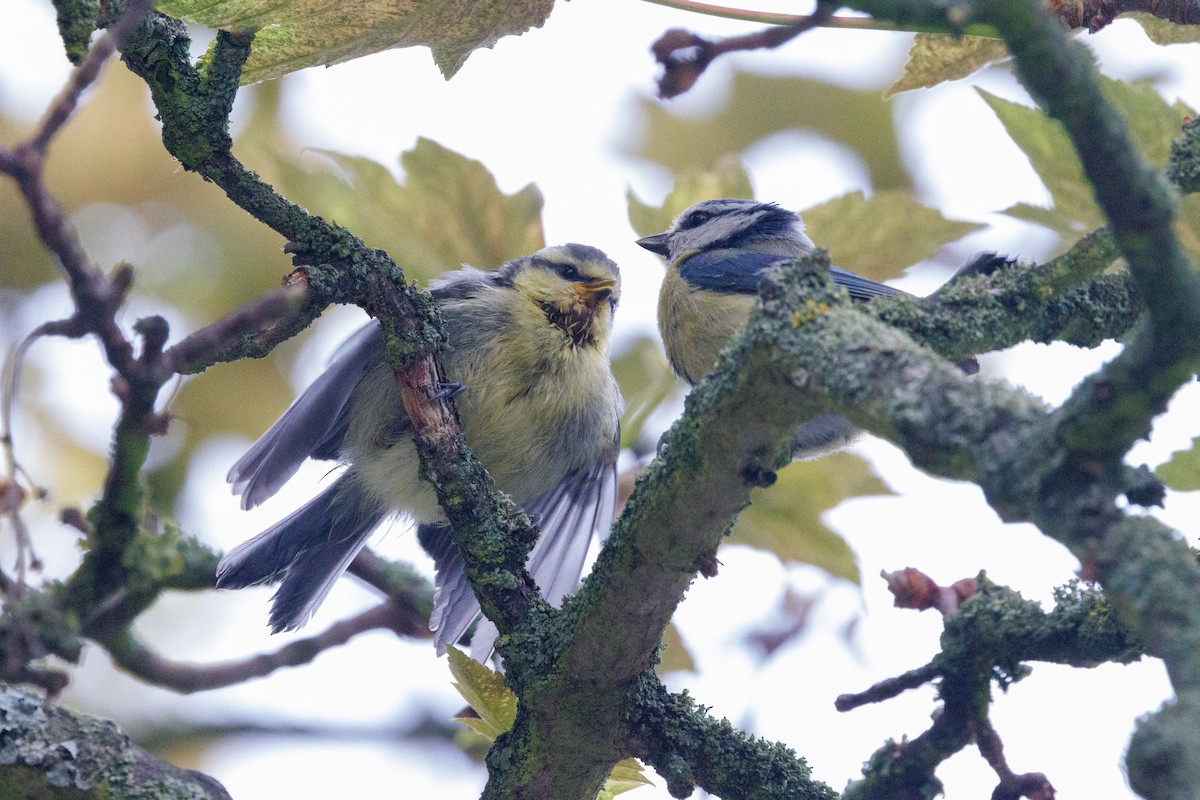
[785, 519]
[294, 34]
[1051, 154]
[881, 236]
[448, 212]
[727, 178]
[646, 382]
[935, 58]
[1162, 32]
[496, 705]
[1182, 472]
[760, 106]
[1153, 124]
[485, 692]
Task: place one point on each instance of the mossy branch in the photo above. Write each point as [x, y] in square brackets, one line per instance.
[54, 754]
[690, 749]
[988, 638]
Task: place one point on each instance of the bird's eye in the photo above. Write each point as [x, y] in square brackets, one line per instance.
[697, 218]
[568, 272]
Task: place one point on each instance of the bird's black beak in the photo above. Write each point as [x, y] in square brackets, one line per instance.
[655, 244]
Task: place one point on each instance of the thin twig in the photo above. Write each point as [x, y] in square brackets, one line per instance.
[888, 688]
[685, 55]
[186, 678]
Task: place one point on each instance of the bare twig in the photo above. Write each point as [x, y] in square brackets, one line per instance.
[250, 326]
[888, 688]
[685, 55]
[1033, 785]
[186, 678]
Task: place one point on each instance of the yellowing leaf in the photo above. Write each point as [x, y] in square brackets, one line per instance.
[1187, 226]
[785, 518]
[1161, 31]
[727, 178]
[675, 656]
[448, 212]
[496, 705]
[485, 692]
[626, 776]
[935, 58]
[880, 236]
[294, 34]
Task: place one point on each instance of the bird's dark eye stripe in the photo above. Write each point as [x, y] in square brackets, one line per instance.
[696, 218]
[568, 272]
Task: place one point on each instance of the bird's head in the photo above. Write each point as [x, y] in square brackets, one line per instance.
[729, 224]
[577, 288]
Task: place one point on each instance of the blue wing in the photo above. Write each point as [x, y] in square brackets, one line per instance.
[741, 271]
[861, 288]
[312, 546]
[728, 270]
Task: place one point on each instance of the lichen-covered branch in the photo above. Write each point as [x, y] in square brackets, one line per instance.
[98, 297]
[1000, 438]
[980, 312]
[988, 637]
[684, 55]
[53, 754]
[1183, 170]
[690, 749]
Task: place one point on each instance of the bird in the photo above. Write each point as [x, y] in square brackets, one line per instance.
[716, 253]
[537, 404]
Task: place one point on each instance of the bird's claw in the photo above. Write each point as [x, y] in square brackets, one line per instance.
[447, 390]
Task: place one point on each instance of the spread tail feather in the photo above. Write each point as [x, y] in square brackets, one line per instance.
[312, 547]
[580, 507]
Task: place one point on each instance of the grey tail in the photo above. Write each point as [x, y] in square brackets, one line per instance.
[454, 605]
[822, 435]
[312, 547]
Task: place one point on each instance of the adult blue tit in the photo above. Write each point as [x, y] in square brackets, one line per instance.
[540, 408]
[716, 253]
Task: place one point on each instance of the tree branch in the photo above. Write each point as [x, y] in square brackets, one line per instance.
[53, 753]
[987, 638]
[688, 748]
[139, 660]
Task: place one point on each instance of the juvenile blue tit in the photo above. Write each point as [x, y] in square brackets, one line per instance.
[716, 253]
[540, 408]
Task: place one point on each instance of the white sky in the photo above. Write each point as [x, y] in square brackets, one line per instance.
[574, 85]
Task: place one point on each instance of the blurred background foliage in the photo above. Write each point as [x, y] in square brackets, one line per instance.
[198, 257]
